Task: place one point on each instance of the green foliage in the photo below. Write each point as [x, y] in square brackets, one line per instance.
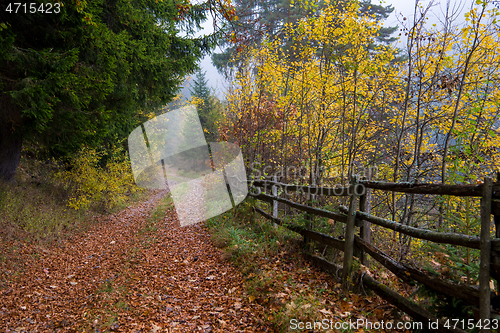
[165, 204]
[458, 264]
[34, 207]
[91, 184]
[266, 19]
[78, 77]
[36, 211]
[256, 20]
[445, 306]
[200, 88]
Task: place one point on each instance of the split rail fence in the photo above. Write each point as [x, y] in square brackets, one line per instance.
[357, 244]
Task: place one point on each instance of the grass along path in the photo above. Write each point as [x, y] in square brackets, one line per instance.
[134, 271]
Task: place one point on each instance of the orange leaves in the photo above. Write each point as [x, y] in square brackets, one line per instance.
[255, 117]
[227, 10]
[122, 275]
[182, 10]
[299, 99]
[229, 13]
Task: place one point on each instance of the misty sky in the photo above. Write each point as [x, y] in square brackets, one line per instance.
[402, 8]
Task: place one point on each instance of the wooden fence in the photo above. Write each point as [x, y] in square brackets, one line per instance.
[357, 244]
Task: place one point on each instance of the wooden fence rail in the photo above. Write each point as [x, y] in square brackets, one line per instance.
[431, 189]
[356, 246]
[430, 235]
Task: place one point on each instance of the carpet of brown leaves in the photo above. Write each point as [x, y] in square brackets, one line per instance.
[123, 276]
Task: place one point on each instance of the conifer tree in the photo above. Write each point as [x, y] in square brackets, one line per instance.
[208, 106]
[79, 74]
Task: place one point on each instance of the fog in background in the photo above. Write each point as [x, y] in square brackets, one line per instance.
[402, 8]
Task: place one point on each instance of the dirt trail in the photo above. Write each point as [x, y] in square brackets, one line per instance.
[127, 275]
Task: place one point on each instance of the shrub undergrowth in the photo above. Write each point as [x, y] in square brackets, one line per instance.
[97, 179]
[50, 198]
[36, 211]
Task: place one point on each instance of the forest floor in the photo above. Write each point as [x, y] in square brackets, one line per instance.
[128, 274]
[139, 271]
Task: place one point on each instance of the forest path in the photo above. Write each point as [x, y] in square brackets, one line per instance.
[128, 274]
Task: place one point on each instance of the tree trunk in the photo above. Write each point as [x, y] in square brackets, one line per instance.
[10, 138]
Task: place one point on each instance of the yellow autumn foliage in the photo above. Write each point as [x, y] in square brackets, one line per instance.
[331, 100]
[323, 87]
[93, 185]
[327, 95]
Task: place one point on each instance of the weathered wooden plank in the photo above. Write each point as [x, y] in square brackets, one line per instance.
[407, 273]
[319, 237]
[495, 247]
[275, 203]
[349, 237]
[262, 196]
[365, 230]
[433, 236]
[495, 259]
[495, 207]
[458, 190]
[407, 306]
[314, 235]
[268, 216]
[325, 265]
[388, 262]
[403, 271]
[495, 255]
[495, 243]
[485, 247]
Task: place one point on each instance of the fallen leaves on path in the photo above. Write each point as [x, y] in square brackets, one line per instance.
[125, 275]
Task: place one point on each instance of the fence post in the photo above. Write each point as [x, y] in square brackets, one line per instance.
[365, 231]
[275, 203]
[308, 216]
[349, 235]
[496, 218]
[495, 260]
[485, 247]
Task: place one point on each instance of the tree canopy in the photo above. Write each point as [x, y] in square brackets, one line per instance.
[80, 76]
[341, 102]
